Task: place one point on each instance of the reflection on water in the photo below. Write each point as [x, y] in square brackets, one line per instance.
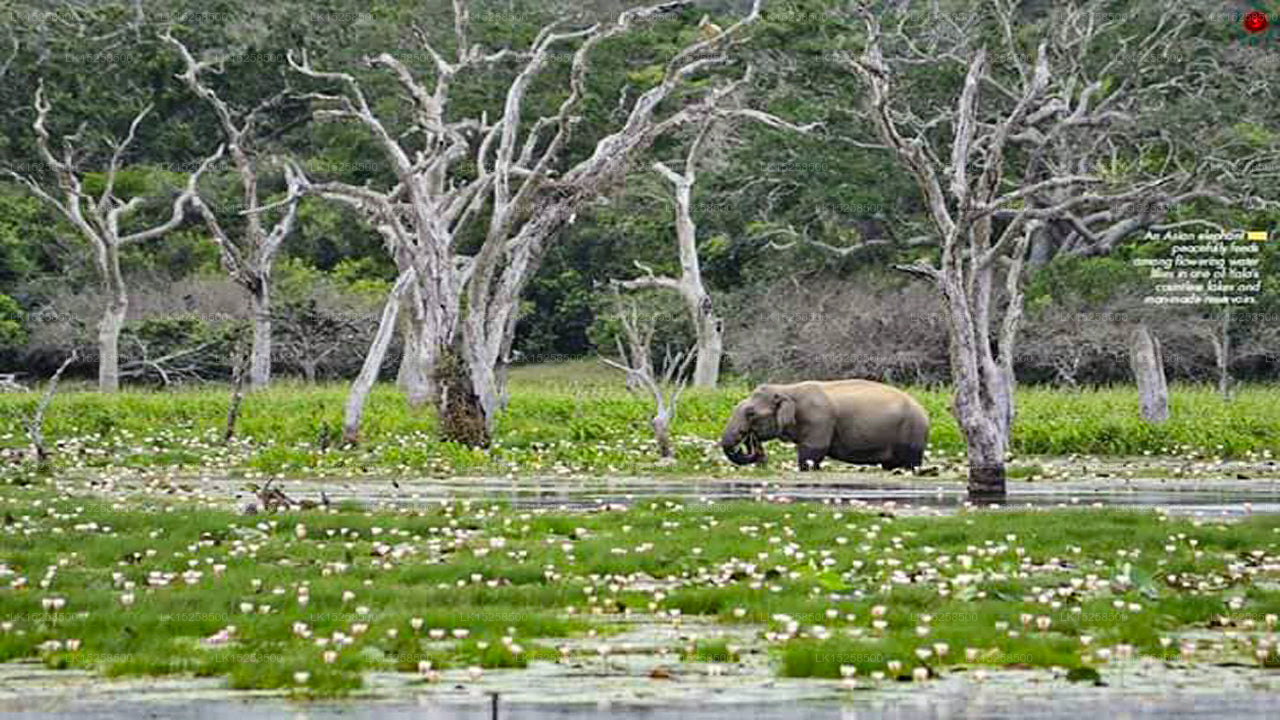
[974, 705]
[1233, 499]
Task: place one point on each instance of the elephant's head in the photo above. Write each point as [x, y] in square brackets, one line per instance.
[767, 414]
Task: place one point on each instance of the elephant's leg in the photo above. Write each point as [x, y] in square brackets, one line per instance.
[905, 455]
[809, 458]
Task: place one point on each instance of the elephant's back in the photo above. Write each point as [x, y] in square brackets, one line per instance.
[869, 407]
[859, 391]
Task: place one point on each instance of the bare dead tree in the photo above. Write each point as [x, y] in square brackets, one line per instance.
[35, 426]
[171, 368]
[1070, 337]
[1232, 342]
[708, 326]
[828, 328]
[983, 219]
[800, 238]
[635, 360]
[516, 184]
[310, 333]
[248, 258]
[99, 219]
[9, 383]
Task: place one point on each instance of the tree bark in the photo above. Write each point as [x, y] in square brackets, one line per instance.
[1222, 355]
[260, 355]
[464, 415]
[662, 433]
[698, 301]
[1148, 370]
[1042, 248]
[414, 374]
[706, 373]
[363, 383]
[109, 343]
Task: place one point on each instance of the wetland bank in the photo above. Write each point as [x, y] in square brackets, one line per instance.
[645, 604]
[565, 570]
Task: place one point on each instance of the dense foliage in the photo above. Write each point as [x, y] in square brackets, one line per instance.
[755, 178]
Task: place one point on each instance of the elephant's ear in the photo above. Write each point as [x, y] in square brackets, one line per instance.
[786, 414]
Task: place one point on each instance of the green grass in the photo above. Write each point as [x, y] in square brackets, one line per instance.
[995, 588]
[577, 418]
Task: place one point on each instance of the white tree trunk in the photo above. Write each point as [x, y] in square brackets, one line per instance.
[980, 410]
[113, 315]
[249, 261]
[706, 373]
[372, 364]
[260, 357]
[109, 343]
[1222, 355]
[481, 354]
[707, 326]
[414, 375]
[1148, 370]
[705, 322]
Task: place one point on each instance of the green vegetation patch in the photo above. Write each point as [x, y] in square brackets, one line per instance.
[583, 422]
[310, 601]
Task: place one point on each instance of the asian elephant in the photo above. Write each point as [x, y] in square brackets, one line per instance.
[856, 421]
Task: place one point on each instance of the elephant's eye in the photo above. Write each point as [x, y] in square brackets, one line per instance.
[750, 412]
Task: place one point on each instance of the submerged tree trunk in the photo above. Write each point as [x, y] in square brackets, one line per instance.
[983, 400]
[1148, 370]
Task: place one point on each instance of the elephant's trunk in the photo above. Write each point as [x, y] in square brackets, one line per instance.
[754, 449]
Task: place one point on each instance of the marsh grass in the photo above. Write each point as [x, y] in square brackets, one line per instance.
[573, 419]
[477, 584]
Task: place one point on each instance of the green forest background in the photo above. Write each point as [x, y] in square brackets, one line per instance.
[790, 312]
